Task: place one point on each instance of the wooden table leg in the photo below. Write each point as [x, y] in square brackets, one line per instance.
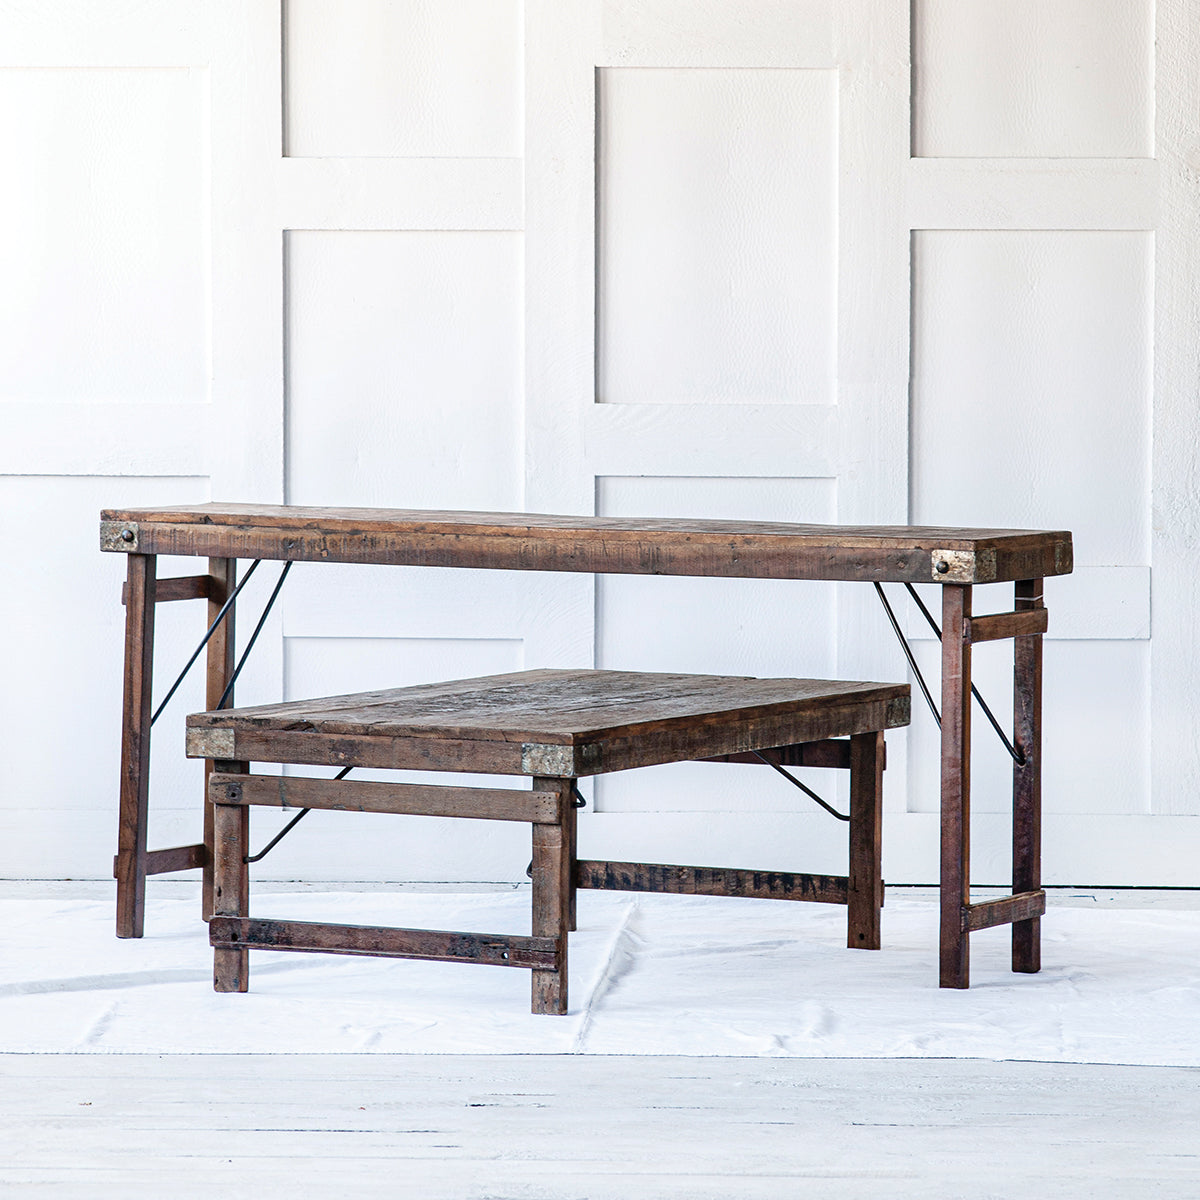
[135, 745]
[571, 830]
[865, 895]
[231, 890]
[223, 572]
[1027, 778]
[956, 786]
[552, 897]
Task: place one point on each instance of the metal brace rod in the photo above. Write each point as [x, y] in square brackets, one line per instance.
[253, 858]
[1014, 753]
[225, 695]
[205, 640]
[803, 787]
[912, 662]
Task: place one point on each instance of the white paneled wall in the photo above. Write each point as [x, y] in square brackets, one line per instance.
[713, 291]
[809, 260]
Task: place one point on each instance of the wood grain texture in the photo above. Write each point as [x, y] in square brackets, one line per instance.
[1027, 778]
[231, 899]
[1007, 910]
[356, 795]
[552, 850]
[236, 935]
[181, 587]
[865, 892]
[606, 720]
[955, 970]
[1000, 626]
[218, 667]
[135, 745]
[621, 545]
[709, 881]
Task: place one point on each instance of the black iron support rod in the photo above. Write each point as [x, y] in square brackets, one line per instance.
[803, 787]
[205, 640]
[1017, 756]
[912, 662]
[253, 858]
[287, 566]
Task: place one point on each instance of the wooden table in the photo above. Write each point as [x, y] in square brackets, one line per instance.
[957, 559]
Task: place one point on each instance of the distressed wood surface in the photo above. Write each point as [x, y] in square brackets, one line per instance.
[563, 706]
[130, 871]
[831, 753]
[236, 935]
[621, 545]
[218, 668]
[601, 720]
[180, 587]
[1001, 626]
[865, 892]
[231, 894]
[955, 963]
[357, 795]
[552, 850]
[1007, 910]
[1027, 778]
[709, 881]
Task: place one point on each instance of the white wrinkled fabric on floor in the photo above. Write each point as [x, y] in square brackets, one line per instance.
[648, 975]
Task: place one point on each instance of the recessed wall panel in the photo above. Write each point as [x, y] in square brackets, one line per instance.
[403, 78]
[1033, 78]
[404, 369]
[1031, 385]
[716, 236]
[103, 236]
[1095, 730]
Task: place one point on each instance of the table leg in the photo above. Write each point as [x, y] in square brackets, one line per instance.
[865, 893]
[956, 786]
[552, 896]
[135, 745]
[223, 572]
[231, 891]
[1027, 778]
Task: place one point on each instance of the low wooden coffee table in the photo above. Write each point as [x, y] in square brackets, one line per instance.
[553, 727]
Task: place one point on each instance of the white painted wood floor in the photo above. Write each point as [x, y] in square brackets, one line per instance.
[471, 1127]
[468, 1127]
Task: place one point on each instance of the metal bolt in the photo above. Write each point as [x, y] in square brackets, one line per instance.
[942, 567]
[127, 535]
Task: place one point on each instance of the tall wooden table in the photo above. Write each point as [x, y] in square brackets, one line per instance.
[957, 559]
